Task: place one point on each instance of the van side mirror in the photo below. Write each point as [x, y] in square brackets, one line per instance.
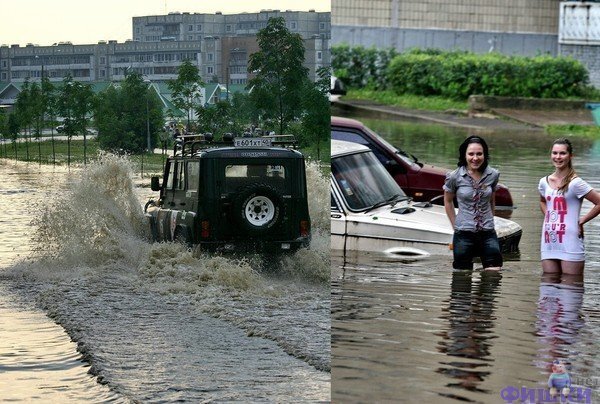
[155, 183]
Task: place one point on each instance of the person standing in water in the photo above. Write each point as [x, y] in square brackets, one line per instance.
[474, 185]
[561, 197]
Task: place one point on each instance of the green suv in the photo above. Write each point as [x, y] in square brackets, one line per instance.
[244, 195]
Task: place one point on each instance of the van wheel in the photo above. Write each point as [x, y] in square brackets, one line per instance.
[259, 208]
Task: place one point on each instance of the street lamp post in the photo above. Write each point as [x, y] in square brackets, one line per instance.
[148, 125]
[149, 143]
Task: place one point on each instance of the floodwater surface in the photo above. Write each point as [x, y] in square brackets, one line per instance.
[151, 322]
[417, 331]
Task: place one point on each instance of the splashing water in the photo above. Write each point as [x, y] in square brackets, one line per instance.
[93, 234]
[95, 220]
[98, 219]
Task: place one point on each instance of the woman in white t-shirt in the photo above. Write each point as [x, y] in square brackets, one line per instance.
[562, 194]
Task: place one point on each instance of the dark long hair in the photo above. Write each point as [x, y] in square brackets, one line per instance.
[571, 173]
[462, 152]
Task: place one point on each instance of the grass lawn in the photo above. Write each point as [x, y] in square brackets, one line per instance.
[443, 104]
[591, 132]
[407, 100]
[44, 153]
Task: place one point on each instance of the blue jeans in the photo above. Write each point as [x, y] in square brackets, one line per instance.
[469, 244]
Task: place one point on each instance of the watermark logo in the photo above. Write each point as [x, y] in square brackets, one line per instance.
[559, 389]
[511, 394]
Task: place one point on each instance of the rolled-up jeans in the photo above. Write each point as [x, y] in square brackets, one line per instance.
[469, 244]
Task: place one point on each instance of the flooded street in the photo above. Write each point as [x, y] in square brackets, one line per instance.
[419, 332]
[150, 322]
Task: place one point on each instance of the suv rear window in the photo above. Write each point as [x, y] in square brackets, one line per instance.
[237, 175]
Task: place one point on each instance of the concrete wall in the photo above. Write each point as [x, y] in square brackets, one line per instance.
[533, 16]
[589, 55]
[580, 35]
[474, 41]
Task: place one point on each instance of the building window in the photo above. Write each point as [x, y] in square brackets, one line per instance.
[190, 37]
[228, 28]
[210, 70]
[199, 27]
[103, 73]
[102, 60]
[209, 57]
[293, 25]
[4, 63]
[322, 25]
[319, 55]
[190, 27]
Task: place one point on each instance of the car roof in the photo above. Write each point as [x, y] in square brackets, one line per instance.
[351, 123]
[342, 148]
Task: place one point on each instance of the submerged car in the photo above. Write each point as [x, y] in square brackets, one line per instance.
[247, 195]
[422, 182]
[371, 213]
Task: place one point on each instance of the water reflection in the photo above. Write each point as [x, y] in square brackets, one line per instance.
[417, 332]
[559, 317]
[470, 313]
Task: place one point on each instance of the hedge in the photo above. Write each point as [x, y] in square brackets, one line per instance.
[458, 74]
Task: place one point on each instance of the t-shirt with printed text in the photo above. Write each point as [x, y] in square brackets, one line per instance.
[560, 232]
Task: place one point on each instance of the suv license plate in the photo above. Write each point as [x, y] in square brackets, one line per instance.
[252, 142]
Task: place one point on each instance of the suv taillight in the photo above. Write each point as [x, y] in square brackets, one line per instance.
[304, 228]
[205, 229]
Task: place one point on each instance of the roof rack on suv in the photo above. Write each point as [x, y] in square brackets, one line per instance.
[188, 145]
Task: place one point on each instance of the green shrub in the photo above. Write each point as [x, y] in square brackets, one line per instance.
[455, 75]
[458, 74]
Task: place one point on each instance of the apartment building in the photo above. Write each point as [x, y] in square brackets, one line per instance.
[219, 44]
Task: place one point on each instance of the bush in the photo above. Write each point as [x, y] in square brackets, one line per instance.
[458, 74]
[361, 67]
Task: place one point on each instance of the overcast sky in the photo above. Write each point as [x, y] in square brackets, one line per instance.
[44, 22]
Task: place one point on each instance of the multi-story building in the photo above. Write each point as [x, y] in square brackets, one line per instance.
[105, 61]
[508, 26]
[219, 44]
[228, 40]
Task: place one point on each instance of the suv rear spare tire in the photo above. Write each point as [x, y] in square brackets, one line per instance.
[259, 208]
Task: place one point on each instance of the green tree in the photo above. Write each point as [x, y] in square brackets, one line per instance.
[36, 106]
[125, 114]
[12, 127]
[48, 101]
[186, 88]
[280, 75]
[24, 113]
[243, 112]
[74, 103]
[4, 129]
[316, 116]
[215, 119]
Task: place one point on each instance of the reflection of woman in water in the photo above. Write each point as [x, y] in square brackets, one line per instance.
[559, 316]
[470, 314]
[562, 194]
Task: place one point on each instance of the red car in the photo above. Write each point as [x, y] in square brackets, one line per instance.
[420, 181]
